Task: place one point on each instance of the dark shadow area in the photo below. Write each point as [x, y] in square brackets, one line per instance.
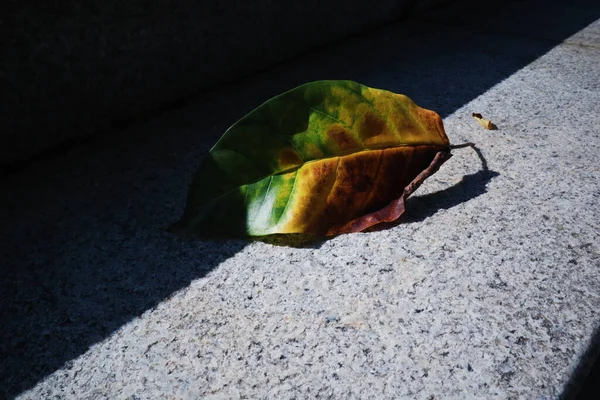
[419, 208]
[84, 250]
[82, 238]
[74, 69]
[585, 382]
[64, 291]
[299, 241]
[471, 186]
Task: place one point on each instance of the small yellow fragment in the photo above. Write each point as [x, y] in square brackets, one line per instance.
[486, 123]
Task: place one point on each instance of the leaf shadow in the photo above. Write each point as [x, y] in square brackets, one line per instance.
[299, 241]
[469, 187]
[419, 208]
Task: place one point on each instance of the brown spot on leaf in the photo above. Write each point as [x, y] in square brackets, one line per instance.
[391, 177]
[353, 183]
[372, 125]
[289, 158]
[343, 138]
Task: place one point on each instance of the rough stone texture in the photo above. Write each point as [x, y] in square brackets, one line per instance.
[71, 69]
[488, 288]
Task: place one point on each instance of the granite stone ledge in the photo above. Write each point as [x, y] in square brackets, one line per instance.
[487, 288]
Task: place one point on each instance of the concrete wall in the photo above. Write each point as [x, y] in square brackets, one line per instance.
[72, 69]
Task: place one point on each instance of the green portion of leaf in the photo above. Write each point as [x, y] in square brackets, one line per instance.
[276, 170]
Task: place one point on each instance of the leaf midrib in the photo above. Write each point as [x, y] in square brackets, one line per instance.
[441, 147]
[377, 148]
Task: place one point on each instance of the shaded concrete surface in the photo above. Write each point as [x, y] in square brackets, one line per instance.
[591, 385]
[487, 288]
[72, 69]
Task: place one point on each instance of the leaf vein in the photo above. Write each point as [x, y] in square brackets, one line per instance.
[287, 203]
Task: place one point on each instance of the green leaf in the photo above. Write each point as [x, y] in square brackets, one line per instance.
[325, 158]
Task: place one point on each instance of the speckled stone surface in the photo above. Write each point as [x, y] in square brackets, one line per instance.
[489, 287]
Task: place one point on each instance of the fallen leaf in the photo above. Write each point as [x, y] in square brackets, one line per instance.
[486, 123]
[325, 158]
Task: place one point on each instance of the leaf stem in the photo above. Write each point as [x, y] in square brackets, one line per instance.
[460, 146]
[476, 149]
